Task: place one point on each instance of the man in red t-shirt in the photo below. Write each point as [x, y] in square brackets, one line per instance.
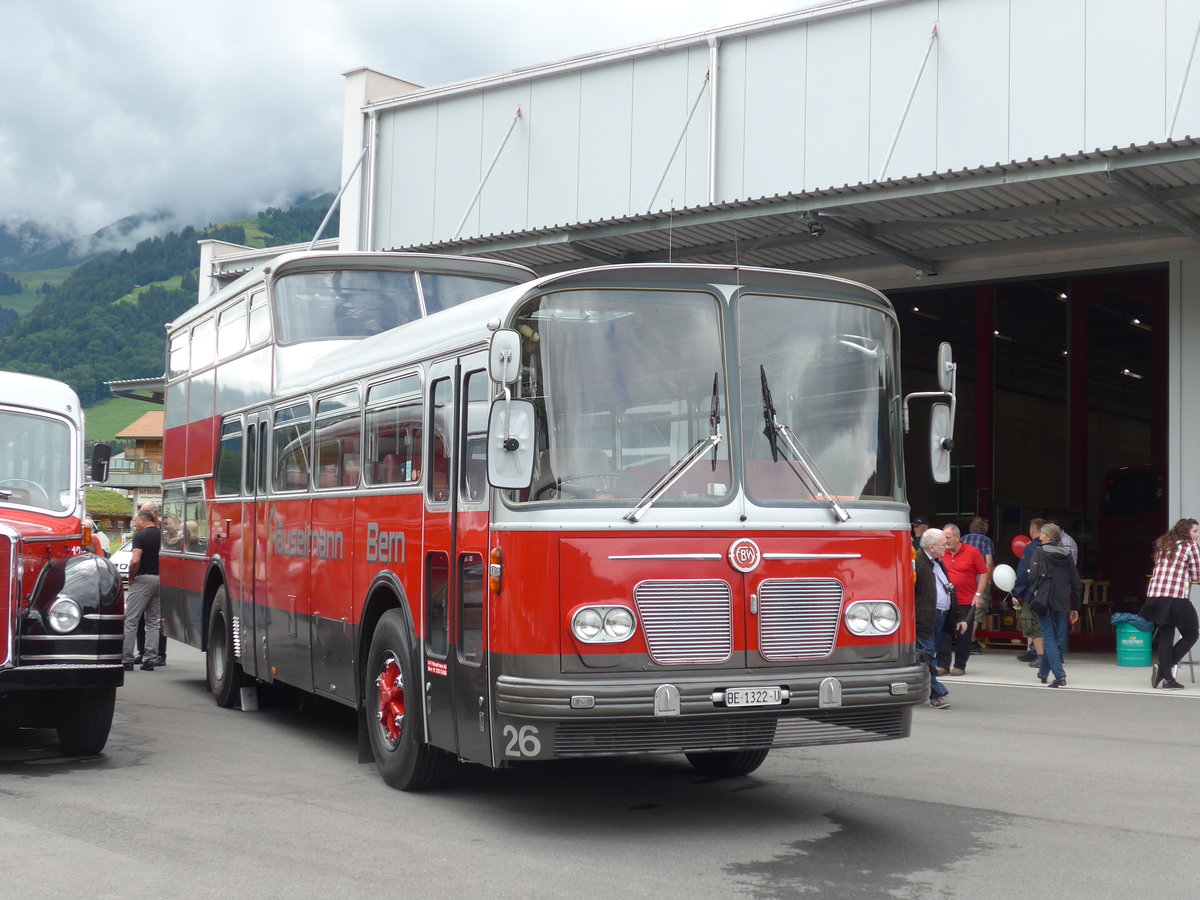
[968, 573]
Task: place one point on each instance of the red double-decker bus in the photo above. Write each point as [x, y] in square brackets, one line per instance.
[629, 509]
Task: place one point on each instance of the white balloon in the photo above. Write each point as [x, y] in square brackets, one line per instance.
[1004, 577]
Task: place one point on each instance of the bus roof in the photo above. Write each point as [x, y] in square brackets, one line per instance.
[36, 393]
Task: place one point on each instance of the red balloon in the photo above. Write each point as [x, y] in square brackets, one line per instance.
[1018, 544]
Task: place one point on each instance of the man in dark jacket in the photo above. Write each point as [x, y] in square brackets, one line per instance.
[932, 606]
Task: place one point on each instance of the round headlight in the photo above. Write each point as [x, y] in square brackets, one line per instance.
[858, 618]
[64, 615]
[618, 623]
[885, 617]
[587, 624]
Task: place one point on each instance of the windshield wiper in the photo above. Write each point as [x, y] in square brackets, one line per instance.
[685, 463]
[811, 476]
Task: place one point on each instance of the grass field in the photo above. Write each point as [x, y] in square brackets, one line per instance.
[171, 284]
[29, 298]
[107, 417]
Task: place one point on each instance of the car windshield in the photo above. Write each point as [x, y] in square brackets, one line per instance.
[35, 461]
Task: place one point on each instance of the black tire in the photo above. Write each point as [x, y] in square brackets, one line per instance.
[84, 720]
[394, 725]
[225, 677]
[727, 763]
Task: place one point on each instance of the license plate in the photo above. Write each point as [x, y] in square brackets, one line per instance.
[759, 696]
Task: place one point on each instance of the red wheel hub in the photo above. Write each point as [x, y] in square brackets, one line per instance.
[390, 685]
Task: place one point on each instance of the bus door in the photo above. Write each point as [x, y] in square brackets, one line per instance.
[454, 595]
[252, 617]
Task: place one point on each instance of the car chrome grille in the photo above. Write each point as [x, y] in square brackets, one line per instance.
[686, 621]
[798, 618]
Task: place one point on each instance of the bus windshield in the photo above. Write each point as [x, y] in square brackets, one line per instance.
[35, 461]
[630, 387]
[825, 372]
[356, 303]
[625, 382]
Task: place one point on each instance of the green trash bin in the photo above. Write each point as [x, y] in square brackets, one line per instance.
[1133, 645]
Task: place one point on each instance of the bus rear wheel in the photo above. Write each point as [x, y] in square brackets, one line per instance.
[224, 674]
[727, 763]
[394, 715]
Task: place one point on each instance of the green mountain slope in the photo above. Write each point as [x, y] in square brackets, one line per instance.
[81, 334]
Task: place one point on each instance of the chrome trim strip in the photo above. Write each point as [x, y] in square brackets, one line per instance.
[690, 556]
[83, 657]
[72, 637]
[51, 538]
[812, 556]
[104, 617]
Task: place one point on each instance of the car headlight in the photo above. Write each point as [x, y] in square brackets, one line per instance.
[64, 615]
[603, 624]
[872, 617]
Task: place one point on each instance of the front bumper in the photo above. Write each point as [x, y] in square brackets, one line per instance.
[667, 712]
[63, 676]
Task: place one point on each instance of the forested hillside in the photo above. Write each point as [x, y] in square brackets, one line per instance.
[105, 321]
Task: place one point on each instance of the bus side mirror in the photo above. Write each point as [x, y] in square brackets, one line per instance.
[510, 444]
[941, 442]
[504, 356]
[101, 454]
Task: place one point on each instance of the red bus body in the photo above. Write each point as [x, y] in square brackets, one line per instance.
[61, 607]
[345, 540]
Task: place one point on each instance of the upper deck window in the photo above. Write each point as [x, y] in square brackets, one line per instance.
[204, 344]
[344, 303]
[260, 320]
[179, 354]
[35, 461]
[231, 330]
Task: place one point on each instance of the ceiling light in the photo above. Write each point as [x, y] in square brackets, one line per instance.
[1138, 323]
[1129, 374]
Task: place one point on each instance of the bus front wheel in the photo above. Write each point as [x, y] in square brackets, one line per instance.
[394, 714]
[223, 671]
[727, 763]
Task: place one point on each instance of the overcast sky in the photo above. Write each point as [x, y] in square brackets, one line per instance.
[216, 108]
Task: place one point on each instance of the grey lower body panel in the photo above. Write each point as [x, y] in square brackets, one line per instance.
[595, 716]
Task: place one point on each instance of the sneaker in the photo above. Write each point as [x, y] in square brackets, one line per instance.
[939, 703]
[1154, 679]
[1027, 656]
[976, 647]
[1036, 664]
[1170, 684]
[957, 671]
[128, 667]
[147, 667]
[1058, 682]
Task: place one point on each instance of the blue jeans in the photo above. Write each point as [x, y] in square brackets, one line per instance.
[927, 645]
[1054, 631]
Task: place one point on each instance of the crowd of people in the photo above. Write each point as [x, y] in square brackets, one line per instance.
[953, 572]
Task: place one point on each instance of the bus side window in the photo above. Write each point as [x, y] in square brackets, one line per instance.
[195, 523]
[394, 440]
[338, 440]
[228, 481]
[290, 448]
[437, 590]
[439, 429]
[171, 522]
[474, 436]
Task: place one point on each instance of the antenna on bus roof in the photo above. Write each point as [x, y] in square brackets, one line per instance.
[337, 199]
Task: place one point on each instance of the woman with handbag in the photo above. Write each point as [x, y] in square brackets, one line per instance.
[1053, 598]
[1176, 566]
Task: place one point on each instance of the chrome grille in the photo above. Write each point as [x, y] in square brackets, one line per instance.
[798, 619]
[686, 621]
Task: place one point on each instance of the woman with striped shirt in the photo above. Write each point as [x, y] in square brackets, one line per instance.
[1176, 566]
